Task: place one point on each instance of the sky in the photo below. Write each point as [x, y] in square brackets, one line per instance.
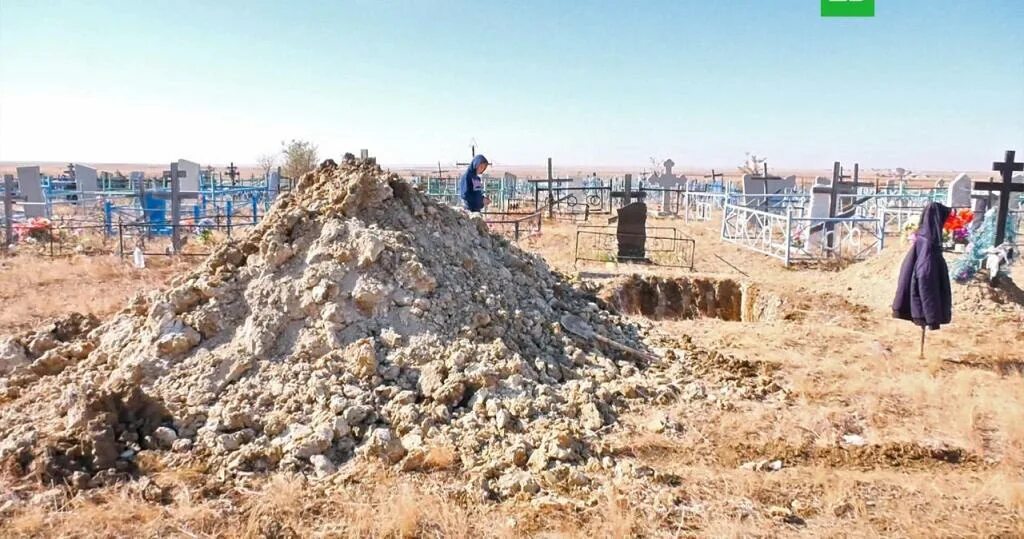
[925, 84]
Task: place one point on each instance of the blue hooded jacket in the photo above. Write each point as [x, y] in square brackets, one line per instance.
[471, 188]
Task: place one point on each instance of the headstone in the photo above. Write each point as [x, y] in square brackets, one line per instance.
[274, 182]
[821, 199]
[190, 181]
[753, 191]
[31, 187]
[959, 195]
[85, 182]
[631, 232]
[756, 187]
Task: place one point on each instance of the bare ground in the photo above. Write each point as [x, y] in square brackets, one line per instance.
[834, 427]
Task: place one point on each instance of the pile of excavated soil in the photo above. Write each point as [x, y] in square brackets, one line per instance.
[358, 320]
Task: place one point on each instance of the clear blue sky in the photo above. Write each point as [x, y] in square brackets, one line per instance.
[924, 84]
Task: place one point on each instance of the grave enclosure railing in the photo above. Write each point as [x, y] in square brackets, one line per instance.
[65, 237]
[663, 246]
[513, 225]
[802, 239]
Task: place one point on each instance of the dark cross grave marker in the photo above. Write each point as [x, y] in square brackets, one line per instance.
[631, 232]
[1005, 188]
[627, 194]
[551, 180]
[834, 190]
[838, 185]
[233, 173]
[175, 196]
[713, 176]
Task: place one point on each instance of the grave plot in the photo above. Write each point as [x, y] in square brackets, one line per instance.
[559, 198]
[830, 227]
[83, 211]
[628, 239]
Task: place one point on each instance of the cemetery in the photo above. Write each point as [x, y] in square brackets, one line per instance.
[697, 314]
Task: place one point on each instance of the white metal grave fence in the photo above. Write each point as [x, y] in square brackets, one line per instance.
[802, 239]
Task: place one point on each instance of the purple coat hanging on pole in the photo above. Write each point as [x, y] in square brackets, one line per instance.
[923, 293]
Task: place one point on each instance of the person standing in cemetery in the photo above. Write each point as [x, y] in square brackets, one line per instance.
[923, 293]
[471, 186]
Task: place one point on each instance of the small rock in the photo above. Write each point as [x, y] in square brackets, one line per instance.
[165, 437]
[322, 466]
[855, 440]
[384, 444]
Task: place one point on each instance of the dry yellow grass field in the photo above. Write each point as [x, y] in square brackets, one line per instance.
[871, 441]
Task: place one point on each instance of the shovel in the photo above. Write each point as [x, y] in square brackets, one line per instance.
[579, 327]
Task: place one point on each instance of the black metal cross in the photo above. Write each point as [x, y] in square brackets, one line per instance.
[233, 173]
[1006, 170]
[551, 180]
[175, 196]
[838, 184]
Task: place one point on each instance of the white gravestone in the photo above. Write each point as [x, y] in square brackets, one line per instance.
[959, 195]
[85, 182]
[31, 187]
[190, 182]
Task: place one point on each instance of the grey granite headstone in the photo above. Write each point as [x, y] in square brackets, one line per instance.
[85, 182]
[190, 181]
[31, 187]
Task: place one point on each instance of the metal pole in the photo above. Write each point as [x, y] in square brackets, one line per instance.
[789, 229]
[120, 238]
[8, 211]
[229, 209]
[175, 209]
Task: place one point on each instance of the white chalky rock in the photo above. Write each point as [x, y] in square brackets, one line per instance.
[12, 355]
[165, 436]
[384, 444]
[322, 466]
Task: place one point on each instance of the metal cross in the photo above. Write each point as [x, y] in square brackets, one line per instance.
[1006, 170]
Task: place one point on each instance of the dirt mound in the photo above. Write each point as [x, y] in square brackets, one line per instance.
[978, 296]
[358, 319]
[47, 350]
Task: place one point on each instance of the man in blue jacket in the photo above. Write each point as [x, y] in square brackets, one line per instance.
[471, 187]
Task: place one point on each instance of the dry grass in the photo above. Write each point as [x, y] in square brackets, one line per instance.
[845, 366]
[34, 288]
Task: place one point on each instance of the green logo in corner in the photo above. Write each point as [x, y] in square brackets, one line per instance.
[847, 8]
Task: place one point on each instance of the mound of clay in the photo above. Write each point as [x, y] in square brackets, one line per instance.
[358, 320]
[980, 297]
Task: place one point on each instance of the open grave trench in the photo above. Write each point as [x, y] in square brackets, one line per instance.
[687, 298]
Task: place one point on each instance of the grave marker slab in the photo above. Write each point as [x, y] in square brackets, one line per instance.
[959, 195]
[190, 181]
[85, 182]
[631, 232]
[30, 186]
